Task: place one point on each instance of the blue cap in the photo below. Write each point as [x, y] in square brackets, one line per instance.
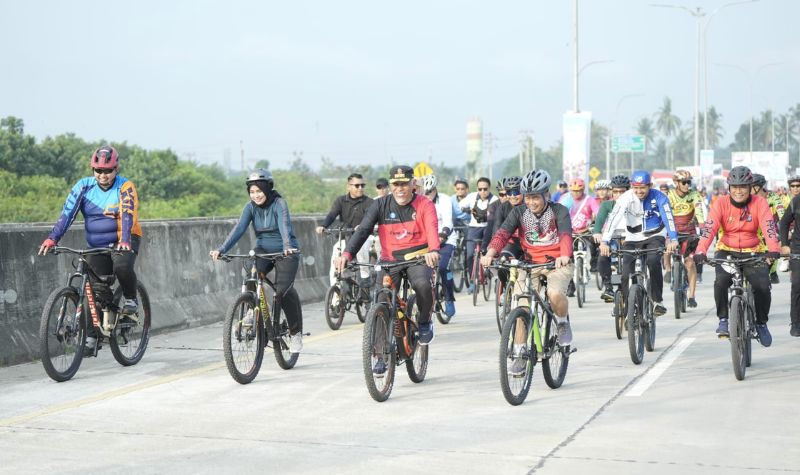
[640, 177]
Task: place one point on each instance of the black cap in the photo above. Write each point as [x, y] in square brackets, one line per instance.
[562, 183]
[381, 183]
[401, 173]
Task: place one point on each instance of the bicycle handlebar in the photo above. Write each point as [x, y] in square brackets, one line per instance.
[638, 252]
[338, 230]
[273, 256]
[87, 252]
[524, 265]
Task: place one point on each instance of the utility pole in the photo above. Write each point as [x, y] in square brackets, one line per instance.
[527, 157]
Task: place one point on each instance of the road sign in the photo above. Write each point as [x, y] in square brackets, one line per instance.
[627, 143]
[594, 172]
[422, 169]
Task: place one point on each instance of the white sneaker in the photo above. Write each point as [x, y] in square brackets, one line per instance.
[784, 265]
[296, 343]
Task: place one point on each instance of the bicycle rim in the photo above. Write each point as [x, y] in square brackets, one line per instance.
[282, 339]
[619, 316]
[633, 322]
[378, 344]
[242, 341]
[499, 302]
[417, 363]
[131, 334]
[334, 307]
[62, 334]
[677, 276]
[515, 386]
[580, 289]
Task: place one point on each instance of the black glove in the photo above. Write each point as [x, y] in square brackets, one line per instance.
[773, 255]
[699, 258]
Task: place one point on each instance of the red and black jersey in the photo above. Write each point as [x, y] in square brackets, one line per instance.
[405, 231]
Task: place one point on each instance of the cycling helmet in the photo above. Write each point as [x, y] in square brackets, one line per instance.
[461, 180]
[740, 176]
[680, 175]
[105, 157]
[535, 182]
[793, 179]
[499, 186]
[429, 183]
[577, 184]
[759, 180]
[261, 174]
[621, 181]
[511, 182]
[603, 185]
[640, 177]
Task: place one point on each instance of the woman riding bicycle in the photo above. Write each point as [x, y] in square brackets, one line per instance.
[268, 213]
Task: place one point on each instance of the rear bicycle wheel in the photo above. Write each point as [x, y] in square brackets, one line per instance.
[456, 267]
[377, 345]
[62, 334]
[514, 384]
[598, 281]
[334, 307]
[738, 335]
[475, 278]
[130, 336]
[619, 314]
[555, 358]
[437, 305]
[243, 339]
[634, 323]
[417, 362]
[281, 339]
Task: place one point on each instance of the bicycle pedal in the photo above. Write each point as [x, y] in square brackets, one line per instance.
[307, 334]
[723, 337]
[572, 349]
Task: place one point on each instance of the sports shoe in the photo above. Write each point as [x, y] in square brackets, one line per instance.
[659, 309]
[795, 330]
[518, 366]
[774, 278]
[450, 308]
[426, 333]
[564, 332]
[668, 276]
[784, 265]
[608, 294]
[692, 303]
[89, 347]
[764, 335]
[571, 289]
[379, 368]
[722, 328]
[471, 289]
[296, 343]
[130, 306]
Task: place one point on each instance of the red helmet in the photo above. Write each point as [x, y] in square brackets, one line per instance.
[105, 157]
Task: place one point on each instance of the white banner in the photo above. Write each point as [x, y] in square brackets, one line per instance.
[772, 165]
[577, 144]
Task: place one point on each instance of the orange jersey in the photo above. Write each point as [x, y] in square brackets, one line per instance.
[740, 227]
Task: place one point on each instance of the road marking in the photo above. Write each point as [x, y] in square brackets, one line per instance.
[140, 386]
[658, 369]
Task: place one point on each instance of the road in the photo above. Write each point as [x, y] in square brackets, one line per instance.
[178, 411]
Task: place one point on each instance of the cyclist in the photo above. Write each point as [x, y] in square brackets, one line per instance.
[381, 187]
[109, 204]
[619, 185]
[512, 249]
[447, 238]
[560, 191]
[407, 228]
[688, 211]
[582, 210]
[477, 203]
[790, 243]
[794, 187]
[268, 214]
[349, 208]
[461, 189]
[777, 209]
[794, 190]
[545, 234]
[602, 191]
[647, 217]
[739, 217]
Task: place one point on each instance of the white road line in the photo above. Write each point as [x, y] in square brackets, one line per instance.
[656, 371]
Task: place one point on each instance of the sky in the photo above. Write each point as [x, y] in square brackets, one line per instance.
[366, 82]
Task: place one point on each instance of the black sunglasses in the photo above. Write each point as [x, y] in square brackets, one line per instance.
[685, 182]
[104, 171]
[483, 189]
[513, 192]
[359, 185]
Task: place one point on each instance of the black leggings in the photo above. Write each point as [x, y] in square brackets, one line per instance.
[419, 275]
[285, 272]
[653, 262]
[120, 265]
[756, 274]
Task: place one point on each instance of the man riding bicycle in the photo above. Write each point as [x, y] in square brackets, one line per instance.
[740, 217]
[619, 185]
[444, 214]
[776, 206]
[477, 203]
[109, 204]
[647, 218]
[790, 243]
[407, 228]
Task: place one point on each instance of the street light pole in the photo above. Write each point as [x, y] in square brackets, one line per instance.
[575, 56]
[611, 130]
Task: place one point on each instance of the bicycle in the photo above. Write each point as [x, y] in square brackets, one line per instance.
[582, 271]
[640, 321]
[504, 293]
[458, 263]
[680, 280]
[618, 311]
[391, 333]
[249, 325]
[480, 277]
[741, 311]
[70, 310]
[527, 323]
[439, 298]
[347, 292]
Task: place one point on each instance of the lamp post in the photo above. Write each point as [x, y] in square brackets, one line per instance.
[611, 132]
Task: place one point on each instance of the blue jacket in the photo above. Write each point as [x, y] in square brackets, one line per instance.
[273, 227]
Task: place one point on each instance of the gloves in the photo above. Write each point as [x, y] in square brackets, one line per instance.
[699, 258]
[773, 255]
[46, 246]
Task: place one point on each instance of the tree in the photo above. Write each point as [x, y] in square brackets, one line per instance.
[667, 123]
[645, 128]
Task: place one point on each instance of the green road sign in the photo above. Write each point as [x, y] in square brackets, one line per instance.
[627, 143]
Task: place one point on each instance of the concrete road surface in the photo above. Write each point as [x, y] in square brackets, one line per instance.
[178, 411]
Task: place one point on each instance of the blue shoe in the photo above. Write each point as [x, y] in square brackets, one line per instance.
[425, 333]
[722, 329]
[471, 289]
[450, 308]
[763, 334]
[379, 368]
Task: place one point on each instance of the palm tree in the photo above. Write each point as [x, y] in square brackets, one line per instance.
[683, 148]
[762, 131]
[645, 128]
[667, 123]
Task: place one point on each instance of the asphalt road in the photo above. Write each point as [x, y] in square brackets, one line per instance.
[178, 410]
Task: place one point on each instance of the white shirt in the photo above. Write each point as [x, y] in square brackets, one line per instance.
[444, 211]
[469, 202]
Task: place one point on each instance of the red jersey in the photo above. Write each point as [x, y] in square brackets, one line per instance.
[740, 227]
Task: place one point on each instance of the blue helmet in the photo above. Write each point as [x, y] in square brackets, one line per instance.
[640, 177]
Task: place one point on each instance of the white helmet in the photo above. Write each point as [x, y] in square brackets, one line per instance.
[603, 185]
[429, 182]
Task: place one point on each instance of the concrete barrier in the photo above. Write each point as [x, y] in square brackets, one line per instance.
[186, 288]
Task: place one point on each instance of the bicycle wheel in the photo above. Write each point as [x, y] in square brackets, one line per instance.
[417, 362]
[456, 268]
[243, 339]
[748, 331]
[598, 281]
[362, 305]
[487, 284]
[437, 305]
[62, 334]
[132, 333]
[738, 335]
[555, 358]
[499, 301]
[475, 278]
[467, 278]
[377, 344]
[619, 314]
[282, 339]
[580, 288]
[650, 326]
[515, 385]
[634, 323]
[678, 291]
[334, 307]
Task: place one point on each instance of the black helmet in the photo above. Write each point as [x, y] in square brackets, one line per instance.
[621, 181]
[261, 174]
[511, 182]
[499, 186]
[740, 176]
[759, 180]
[535, 182]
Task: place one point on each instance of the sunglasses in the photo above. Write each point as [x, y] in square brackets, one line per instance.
[513, 193]
[501, 195]
[685, 182]
[359, 185]
[795, 186]
[483, 189]
[104, 171]
[380, 187]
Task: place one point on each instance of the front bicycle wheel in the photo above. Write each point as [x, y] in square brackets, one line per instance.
[281, 339]
[634, 323]
[62, 334]
[131, 334]
[598, 281]
[619, 314]
[443, 317]
[499, 309]
[516, 359]
[580, 287]
[417, 361]
[487, 284]
[555, 358]
[334, 307]
[650, 326]
[678, 290]
[456, 267]
[377, 352]
[738, 336]
[243, 339]
[475, 279]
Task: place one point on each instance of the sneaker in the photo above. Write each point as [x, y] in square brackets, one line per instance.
[608, 294]
[692, 303]
[130, 306]
[471, 289]
[518, 366]
[450, 308]
[699, 278]
[89, 347]
[659, 309]
[296, 343]
[764, 335]
[774, 278]
[668, 276]
[571, 289]
[379, 368]
[564, 332]
[722, 328]
[426, 333]
[795, 330]
[784, 265]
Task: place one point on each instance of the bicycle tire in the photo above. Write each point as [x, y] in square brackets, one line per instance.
[580, 289]
[456, 268]
[515, 388]
[475, 278]
[487, 284]
[633, 323]
[362, 305]
[334, 312]
[62, 354]
[678, 291]
[650, 328]
[437, 305]
[467, 280]
[499, 302]
[555, 358]
[748, 343]
[243, 347]
[619, 315]
[598, 281]
[125, 334]
[417, 363]
[378, 341]
[738, 335]
[281, 341]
